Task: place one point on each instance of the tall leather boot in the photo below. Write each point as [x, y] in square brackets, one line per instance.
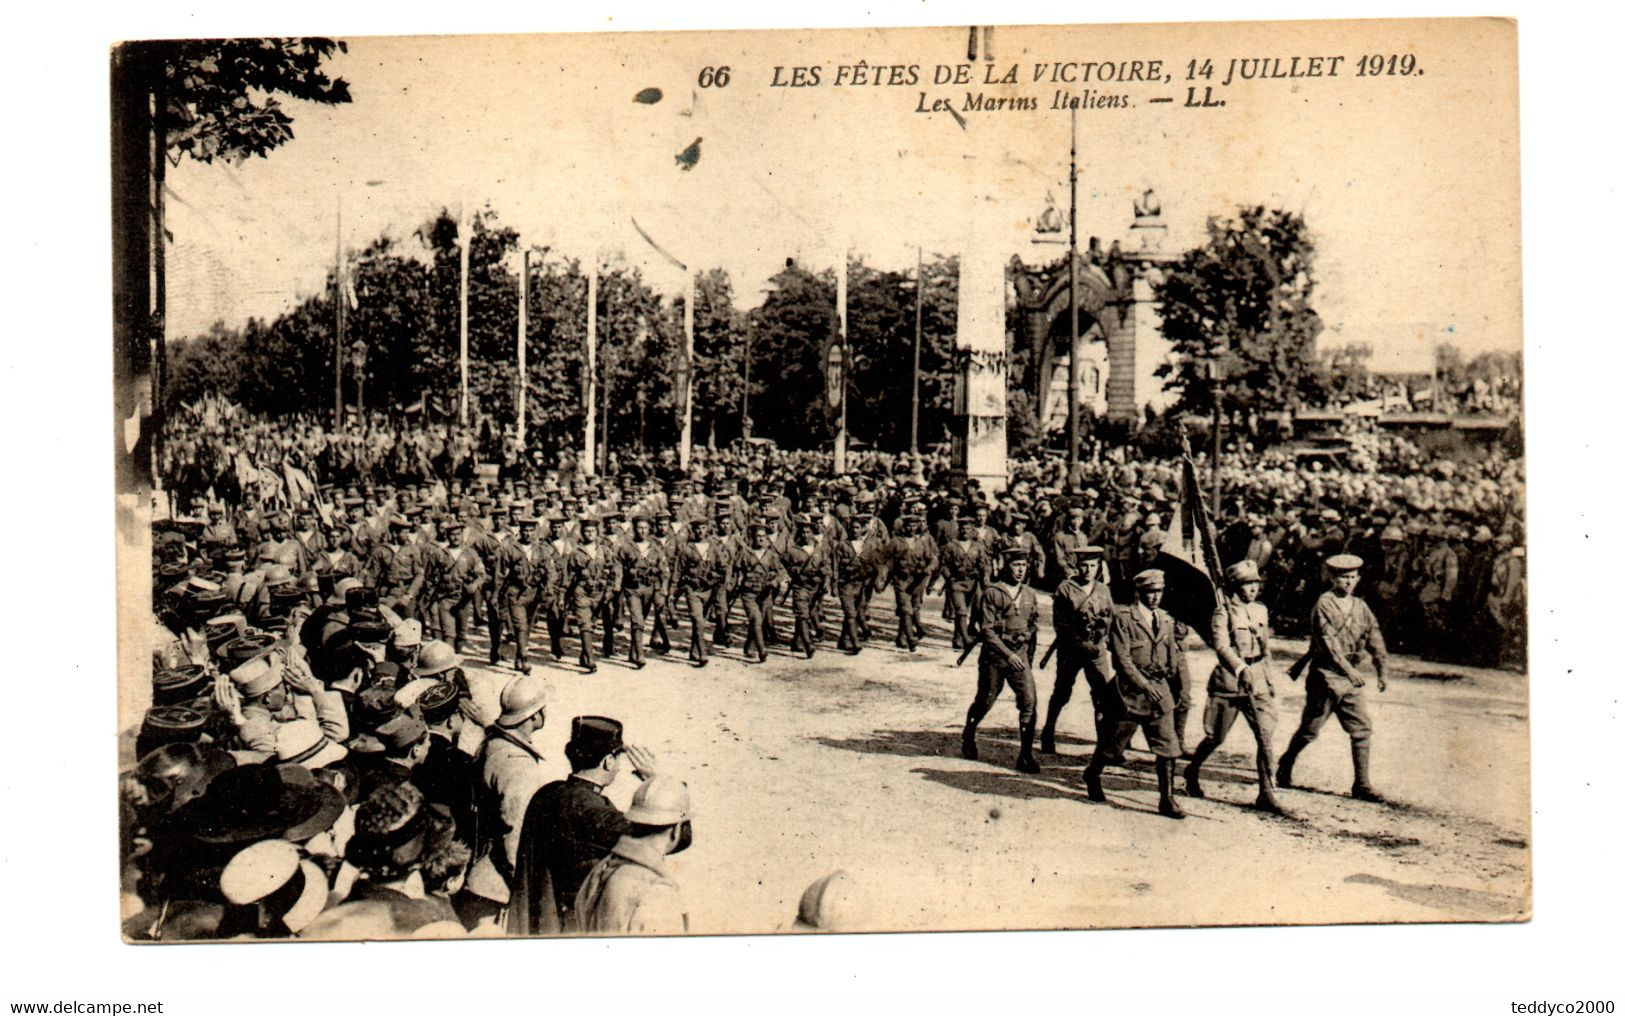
[1193, 769]
[1283, 772]
[1166, 805]
[967, 740]
[1025, 763]
[1052, 714]
[1267, 801]
[1362, 773]
[1091, 776]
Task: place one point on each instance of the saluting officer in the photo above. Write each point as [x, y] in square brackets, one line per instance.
[1082, 618]
[1009, 623]
[1241, 684]
[1146, 657]
[1343, 632]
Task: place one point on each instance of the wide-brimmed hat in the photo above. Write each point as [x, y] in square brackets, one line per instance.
[257, 801]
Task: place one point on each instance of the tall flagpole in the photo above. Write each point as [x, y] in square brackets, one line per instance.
[919, 317]
[846, 361]
[338, 312]
[466, 242]
[1072, 299]
[524, 315]
[589, 451]
[685, 447]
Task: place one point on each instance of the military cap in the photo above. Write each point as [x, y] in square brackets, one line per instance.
[263, 870]
[1344, 563]
[595, 736]
[258, 675]
[527, 521]
[401, 731]
[1009, 547]
[438, 701]
[1151, 579]
[1088, 552]
[1245, 570]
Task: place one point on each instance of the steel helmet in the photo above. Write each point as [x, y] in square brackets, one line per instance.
[660, 801]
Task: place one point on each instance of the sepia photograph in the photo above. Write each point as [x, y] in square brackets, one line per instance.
[753, 482]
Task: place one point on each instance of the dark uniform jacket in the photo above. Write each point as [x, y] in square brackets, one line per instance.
[569, 827]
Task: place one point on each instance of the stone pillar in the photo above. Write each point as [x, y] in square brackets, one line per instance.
[980, 444]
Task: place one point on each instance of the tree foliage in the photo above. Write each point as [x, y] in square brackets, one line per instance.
[220, 97]
[1240, 305]
[405, 312]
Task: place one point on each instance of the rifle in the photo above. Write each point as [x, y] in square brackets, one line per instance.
[1048, 653]
[969, 646]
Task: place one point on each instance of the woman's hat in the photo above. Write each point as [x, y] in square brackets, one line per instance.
[391, 830]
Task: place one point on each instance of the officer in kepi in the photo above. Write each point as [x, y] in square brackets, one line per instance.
[1343, 633]
[1241, 684]
[1147, 658]
[1009, 623]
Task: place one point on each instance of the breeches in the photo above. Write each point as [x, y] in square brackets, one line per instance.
[991, 677]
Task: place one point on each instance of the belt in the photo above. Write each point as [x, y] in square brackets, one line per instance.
[1252, 659]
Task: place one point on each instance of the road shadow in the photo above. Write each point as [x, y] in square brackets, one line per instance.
[1472, 902]
[1061, 776]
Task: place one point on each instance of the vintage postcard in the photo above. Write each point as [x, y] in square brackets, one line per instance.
[736, 482]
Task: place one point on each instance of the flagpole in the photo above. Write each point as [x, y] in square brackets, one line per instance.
[338, 311]
[846, 361]
[1205, 534]
[589, 451]
[465, 242]
[685, 446]
[524, 315]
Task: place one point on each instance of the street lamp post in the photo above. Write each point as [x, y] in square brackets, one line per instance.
[358, 363]
[1047, 225]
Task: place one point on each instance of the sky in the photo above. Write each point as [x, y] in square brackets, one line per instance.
[1409, 184]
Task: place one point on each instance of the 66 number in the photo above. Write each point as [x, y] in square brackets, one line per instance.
[714, 77]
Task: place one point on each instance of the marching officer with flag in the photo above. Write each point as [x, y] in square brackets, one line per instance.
[1146, 657]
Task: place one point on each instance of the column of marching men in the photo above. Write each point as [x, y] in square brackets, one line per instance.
[319, 760]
